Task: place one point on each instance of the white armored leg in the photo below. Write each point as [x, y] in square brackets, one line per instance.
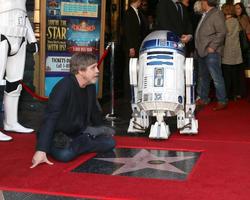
[4, 137]
[11, 112]
[3, 55]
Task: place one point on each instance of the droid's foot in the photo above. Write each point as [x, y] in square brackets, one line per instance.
[159, 131]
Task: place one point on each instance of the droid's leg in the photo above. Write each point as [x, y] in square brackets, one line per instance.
[4, 48]
[186, 121]
[159, 130]
[14, 73]
[139, 120]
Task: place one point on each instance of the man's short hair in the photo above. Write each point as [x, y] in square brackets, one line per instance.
[212, 3]
[80, 61]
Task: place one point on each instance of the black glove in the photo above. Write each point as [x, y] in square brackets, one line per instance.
[32, 47]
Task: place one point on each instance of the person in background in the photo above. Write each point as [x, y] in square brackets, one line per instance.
[232, 57]
[243, 19]
[144, 13]
[173, 16]
[72, 123]
[209, 41]
[194, 19]
[151, 22]
[133, 31]
[185, 3]
[190, 45]
[196, 14]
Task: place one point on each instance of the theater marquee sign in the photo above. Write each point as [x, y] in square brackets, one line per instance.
[71, 26]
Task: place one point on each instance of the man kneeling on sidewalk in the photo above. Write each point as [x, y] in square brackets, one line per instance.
[73, 122]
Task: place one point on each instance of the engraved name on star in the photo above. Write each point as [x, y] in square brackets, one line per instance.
[145, 159]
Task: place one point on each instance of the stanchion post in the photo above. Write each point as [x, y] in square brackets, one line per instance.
[111, 116]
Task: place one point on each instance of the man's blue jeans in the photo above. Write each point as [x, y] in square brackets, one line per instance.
[210, 67]
[83, 144]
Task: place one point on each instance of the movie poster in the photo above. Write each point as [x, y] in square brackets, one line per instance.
[71, 26]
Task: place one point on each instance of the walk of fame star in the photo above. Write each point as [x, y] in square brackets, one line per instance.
[161, 164]
[145, 159]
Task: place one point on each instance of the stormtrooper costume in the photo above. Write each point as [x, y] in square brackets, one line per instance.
[15, 32]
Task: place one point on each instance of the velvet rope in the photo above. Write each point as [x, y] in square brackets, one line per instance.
[33, 94]
[104, 55]
[41, 98]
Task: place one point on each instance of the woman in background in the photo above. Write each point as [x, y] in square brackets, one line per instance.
[232, 57]
[243, 19]
[240, 12]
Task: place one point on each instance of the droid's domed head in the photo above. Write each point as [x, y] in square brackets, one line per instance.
[162, 39]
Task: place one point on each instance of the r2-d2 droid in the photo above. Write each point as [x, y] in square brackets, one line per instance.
[162, 86]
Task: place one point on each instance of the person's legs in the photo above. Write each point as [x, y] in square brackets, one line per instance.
[69, 151]
[100, 143]
[236, 81]
[196, 74]
[213, 62]
[227, 73]
[203, 80]
[63, 154]
[242, 86]
[83, 144]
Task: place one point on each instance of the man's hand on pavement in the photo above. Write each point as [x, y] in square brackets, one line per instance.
[39, 158]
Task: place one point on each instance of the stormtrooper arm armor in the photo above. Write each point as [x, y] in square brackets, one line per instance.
[31, 35]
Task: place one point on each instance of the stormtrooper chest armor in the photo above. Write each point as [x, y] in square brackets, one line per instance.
[13, 18]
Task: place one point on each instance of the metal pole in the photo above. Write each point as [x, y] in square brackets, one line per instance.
[111, 116]
[112, 77]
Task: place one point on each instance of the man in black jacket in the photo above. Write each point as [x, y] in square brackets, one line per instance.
[134, 31]
[73, 123]
[171, 15]
[133, 24]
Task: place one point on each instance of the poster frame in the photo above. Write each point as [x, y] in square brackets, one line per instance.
[42, 55]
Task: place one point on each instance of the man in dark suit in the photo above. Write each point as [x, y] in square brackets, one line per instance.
[73, 122]
[133, 30]
[173, 16]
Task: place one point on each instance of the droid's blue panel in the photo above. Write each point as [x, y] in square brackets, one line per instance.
[159, 57]
[149, 44]
[160, 52]
[160, 43]
[159, 63]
